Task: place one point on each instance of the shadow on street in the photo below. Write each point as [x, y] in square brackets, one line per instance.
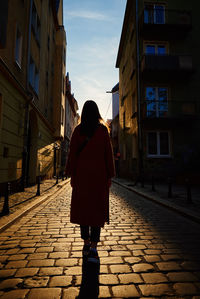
[90, 280]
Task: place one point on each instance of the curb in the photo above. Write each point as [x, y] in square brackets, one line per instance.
[10, 219]
[173, 207]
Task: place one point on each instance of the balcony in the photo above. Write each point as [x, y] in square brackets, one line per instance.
[169, 113]
[164, 23]
[166, 66]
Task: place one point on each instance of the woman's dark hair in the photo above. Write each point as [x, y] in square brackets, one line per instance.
[90, 118]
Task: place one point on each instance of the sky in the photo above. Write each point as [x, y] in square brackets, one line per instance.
[93, 31]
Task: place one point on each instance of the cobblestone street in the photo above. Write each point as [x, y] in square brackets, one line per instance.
[146, 251]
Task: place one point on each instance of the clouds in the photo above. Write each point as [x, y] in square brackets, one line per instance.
[86, 14]
[93, 32]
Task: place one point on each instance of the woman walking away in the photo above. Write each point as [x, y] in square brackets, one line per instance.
[91, 166]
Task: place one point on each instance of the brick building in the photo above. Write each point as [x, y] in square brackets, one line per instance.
[159, 73]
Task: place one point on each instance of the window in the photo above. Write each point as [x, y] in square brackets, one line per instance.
[35, 23]
[18, 48]
[156, 101]
[158, 144]
[154, 14]
[154, 49]
[33, 76]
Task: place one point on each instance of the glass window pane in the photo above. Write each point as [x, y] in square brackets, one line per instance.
[151, 101]
[150, 49]
[152, 143]
[162, 102]
[161, 50]
[159, 14]
[164, 143]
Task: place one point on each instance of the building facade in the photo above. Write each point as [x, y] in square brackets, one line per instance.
[71, 119]
[159, 73]
[32, 90]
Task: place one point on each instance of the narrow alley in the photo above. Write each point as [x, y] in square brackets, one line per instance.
[145, 251]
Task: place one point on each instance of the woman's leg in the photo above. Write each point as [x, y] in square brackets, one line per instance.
[95, 236]
[85, 235]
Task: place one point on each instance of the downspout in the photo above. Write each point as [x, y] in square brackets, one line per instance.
[26, 117]
[140, 143]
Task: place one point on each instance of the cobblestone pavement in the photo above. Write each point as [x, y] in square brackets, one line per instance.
[146, 251]
[20, 199]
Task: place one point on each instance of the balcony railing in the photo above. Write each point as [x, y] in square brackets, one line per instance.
[170, 109]
[165, 21]
[166, 63]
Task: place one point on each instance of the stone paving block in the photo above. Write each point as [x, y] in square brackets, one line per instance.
[143, 267]
[104, 292]
[155, 290]
[36, 282]
[12, 251]
[184, 289]
[111, 260]
[60, 281]
[130, 278]
[73, 271]
[152, 258]
[37, 256]
[132, 260]
[70, 293]
[24, 272]
[11, 283]
[168, 266]
[108, 279]
[66, 262]
[120, 269]
[15, 294]
[16, 264]
[182, 276]
[45, 249]
[17, 257]
[120, 253]
[170, 257]
[59, 254]
[154, 277]
[7, 273]
[152, 252]
[125, 291]
[41, 263]
[46, 293]
[104, 269]
[136, 247]
[27, 250]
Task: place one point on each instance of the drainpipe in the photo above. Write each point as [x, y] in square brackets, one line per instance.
[26, 117]
[140, 143]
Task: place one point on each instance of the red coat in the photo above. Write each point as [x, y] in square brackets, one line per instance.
[90, 171]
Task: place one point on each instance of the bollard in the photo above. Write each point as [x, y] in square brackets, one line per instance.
[153, 184]
[38, 186]
[189, 195]
[57, 179]
[5, 210]
[169, 187]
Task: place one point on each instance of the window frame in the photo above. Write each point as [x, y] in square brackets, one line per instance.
[158, 155]
[157, 110]
[152, 13]
[18, 47]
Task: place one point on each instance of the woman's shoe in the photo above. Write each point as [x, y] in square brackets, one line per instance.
[93, 256]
